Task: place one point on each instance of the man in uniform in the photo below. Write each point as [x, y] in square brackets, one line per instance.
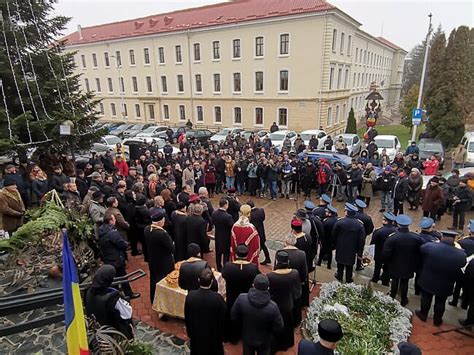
[401, 252]
[378, 239]
[320, 211]
[348, 237]
[330, 332]
[442, 263]
[427, 232]
[326, 240]
[368, 228]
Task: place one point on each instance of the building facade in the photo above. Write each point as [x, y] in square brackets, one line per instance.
[249, 63]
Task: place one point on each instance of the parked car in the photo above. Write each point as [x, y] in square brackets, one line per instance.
[152, 132]
[146, 141]
[261, 134]
[278, 137]
[467, 172]
[429, 147]
[390, 143]
[118, 131]
[353, 142]
[202, 135]
[308, 134]
[106, 143]
[332, 158]
[223, 133]
[135, 129]
[177, 132]
[468, 142]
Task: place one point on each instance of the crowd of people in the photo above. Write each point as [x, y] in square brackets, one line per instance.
[159, 206]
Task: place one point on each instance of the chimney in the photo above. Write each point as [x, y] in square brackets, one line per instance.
[79, 31]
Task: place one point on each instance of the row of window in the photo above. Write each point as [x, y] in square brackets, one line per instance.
[259, 52]
[332, 120]
[198, 83]
[340, 79]
[282, 113]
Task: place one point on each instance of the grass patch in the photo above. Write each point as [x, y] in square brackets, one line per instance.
[403, 133]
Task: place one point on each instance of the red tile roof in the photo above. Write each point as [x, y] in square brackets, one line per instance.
[390, 44]
[235, 11]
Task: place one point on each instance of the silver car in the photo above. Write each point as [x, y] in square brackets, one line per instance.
[353, 142]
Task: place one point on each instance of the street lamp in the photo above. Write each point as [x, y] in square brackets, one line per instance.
[121, 86]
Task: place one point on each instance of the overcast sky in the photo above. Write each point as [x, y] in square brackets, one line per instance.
[404, 22]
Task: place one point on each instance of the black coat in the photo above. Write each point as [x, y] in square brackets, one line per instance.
[257, 218]
[223, 223]
[204, 315]
[297, 260]
[400, 190]
[442, 264]
[327, 241]
[189, 274]
[196, 232]
[238, 276]
[112, 246]
[401, 252]
[378, 239]
[468, 245]
[234, 208]
[465, 198]
[260, 317]
[306, 347]
[178, 221]
[304, 242]
[57, 182]
[348, 237]
[320, 211]
[367, 221]
[161, 260]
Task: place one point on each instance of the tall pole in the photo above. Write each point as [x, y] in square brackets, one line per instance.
[423, 72]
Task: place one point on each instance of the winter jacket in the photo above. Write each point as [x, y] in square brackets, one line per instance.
[122, 167]
[368, 179]
[431, 166]
[355, 175]
[11, 210]
[432, 199]
[112, 246]
[40, 187]
[120, 223]
[400, 189]
[386, 182]
[464, 194]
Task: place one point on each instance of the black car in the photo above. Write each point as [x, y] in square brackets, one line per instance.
[202, 135]
[429, 147]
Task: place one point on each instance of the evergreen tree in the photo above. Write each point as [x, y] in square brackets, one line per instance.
[351, 122]
[29, 30]
[409, 103]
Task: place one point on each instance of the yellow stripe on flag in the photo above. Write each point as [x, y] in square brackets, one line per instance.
[76, 333]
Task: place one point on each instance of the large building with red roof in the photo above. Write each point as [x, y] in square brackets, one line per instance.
[249, 63]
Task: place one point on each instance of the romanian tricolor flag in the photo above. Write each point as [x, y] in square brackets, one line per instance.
[74, 314]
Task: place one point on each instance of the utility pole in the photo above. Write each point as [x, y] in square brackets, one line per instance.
[423, 72]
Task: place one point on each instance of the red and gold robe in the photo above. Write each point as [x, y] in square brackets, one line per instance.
[244, 232]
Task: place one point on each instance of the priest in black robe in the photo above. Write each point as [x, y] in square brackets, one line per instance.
[178, 220]
[204, 315]
[161, 249]
[191, 268]
[196, 229]
[223, 223]
[238, 276]
[304, 242]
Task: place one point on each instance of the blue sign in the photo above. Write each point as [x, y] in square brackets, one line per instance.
[416, 116]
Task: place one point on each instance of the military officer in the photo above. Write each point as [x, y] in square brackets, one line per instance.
[368, 228]
[326, 240]
[378, 240]
[442, 263]
[401, 253]
[320, 211]
[427, 232]
[317, 231]
[348, 237]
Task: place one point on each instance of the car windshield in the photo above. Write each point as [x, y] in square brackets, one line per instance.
[470, 147]
[277, 136]
[430, 146]
[149, 129]
[347, 140]
[262, 133]
[307, 136]
[384, 143]
[224, 131]
[113, 140]
[137, 126]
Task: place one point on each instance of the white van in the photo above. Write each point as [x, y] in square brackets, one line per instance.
[468, 141]
[390, 143]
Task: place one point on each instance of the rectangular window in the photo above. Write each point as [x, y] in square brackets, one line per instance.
[259, 47]
[197, 52]
[331, 79]
[146, 55]
[236, 48]
[336, 119]
[182, 112]
[101, 108]
[166, 112]
[137, 111]
[164, 84]
[198, 83]
[358, 80]
[217, 114]
[121, 84]
[282, 117]
[180, 83]
[124, 110]
[357, 54]
[283, 80]
[339, 78]
[284, 44]
[344, 112]
[349, 45]
[161, 55]
[259, 116]
[88, 88]
[237, 82]
[134, 84]
[118, 58]
[110, 84]
[354, 81]
[329, 118]
[216, 50]
[259, 81]
[106, 59]
[237, 115]
[341, 48]
[97, 84]
[151, 112]
[334, 40]
[94, 60]
[346, 79]
[199, 114]
[217, 83]
[83, 61]
[149, 86]
[113, 110]
[179, 55]
[131, 54]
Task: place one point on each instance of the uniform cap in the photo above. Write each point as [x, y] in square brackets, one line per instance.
[351, 208]
[360, 203]
[261, 282]
[403, 220]
[330, 330]
[309, 205]
[331, 209]
[389, 216]
[449, 234]
[326, 198]
[426, 222]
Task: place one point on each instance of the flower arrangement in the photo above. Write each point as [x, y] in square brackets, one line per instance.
[372, 322]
